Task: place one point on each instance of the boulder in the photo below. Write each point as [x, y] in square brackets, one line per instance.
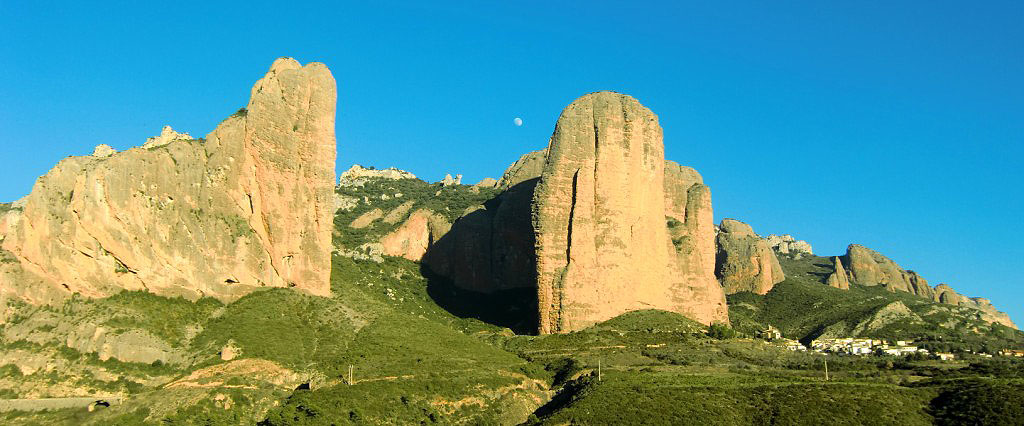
[600, 220]
[250, 206]
[744, 261]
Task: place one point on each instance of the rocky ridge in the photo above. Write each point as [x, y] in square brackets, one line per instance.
[248, 207]
[868, 267]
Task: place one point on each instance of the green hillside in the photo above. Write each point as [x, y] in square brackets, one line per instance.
[805, 309]
[391, 346]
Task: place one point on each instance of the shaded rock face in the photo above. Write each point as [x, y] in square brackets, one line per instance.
[250, 207]
[868, 267]
[838, 278]
[599, 214]
[490, 248]
[744, 261]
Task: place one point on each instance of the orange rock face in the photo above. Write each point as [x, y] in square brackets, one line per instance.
[250, 206]
[838, 278]
[412, 239]
[745, 262]
[600, 219]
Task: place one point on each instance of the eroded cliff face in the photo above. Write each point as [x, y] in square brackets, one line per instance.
[600, 220]
[250, 206]
[745, 262]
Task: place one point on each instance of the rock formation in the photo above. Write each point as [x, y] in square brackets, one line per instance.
[786, 244]
[358, 175]
[838, 278]
[451, 181]
[104, 151]
[603, 244]
[487, 182]
[412, 239]
[868, 267]
[744, 261]
[250, 206]
[943, 293]
[529, 166]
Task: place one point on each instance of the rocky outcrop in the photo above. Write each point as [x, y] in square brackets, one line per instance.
[868, 267]
[943, 293]
[487, 182]
[603, 244]
[838, 278]
[358, 175]
[250, 206]
[412, 239]
[529, 166]
[104, 151]
[167, 135]
[786, 244]
[744, 261]
[451, 181]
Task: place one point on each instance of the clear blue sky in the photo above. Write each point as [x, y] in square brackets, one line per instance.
[898, 126]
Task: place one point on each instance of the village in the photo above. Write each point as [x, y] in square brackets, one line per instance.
[866, 346]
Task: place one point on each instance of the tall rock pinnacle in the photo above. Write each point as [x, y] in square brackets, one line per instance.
[602, 227]
[249, 207]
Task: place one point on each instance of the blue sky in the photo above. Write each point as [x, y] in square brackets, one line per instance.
[897, 126]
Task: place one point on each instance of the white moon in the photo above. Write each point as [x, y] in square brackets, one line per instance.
[518, 121]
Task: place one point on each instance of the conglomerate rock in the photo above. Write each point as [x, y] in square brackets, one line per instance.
[600, 219]
[745, 262]
[249, 207]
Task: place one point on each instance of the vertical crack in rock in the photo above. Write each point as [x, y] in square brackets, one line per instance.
[616, 253]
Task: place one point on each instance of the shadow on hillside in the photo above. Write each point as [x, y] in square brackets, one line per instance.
[484, 267]
[515, 309]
